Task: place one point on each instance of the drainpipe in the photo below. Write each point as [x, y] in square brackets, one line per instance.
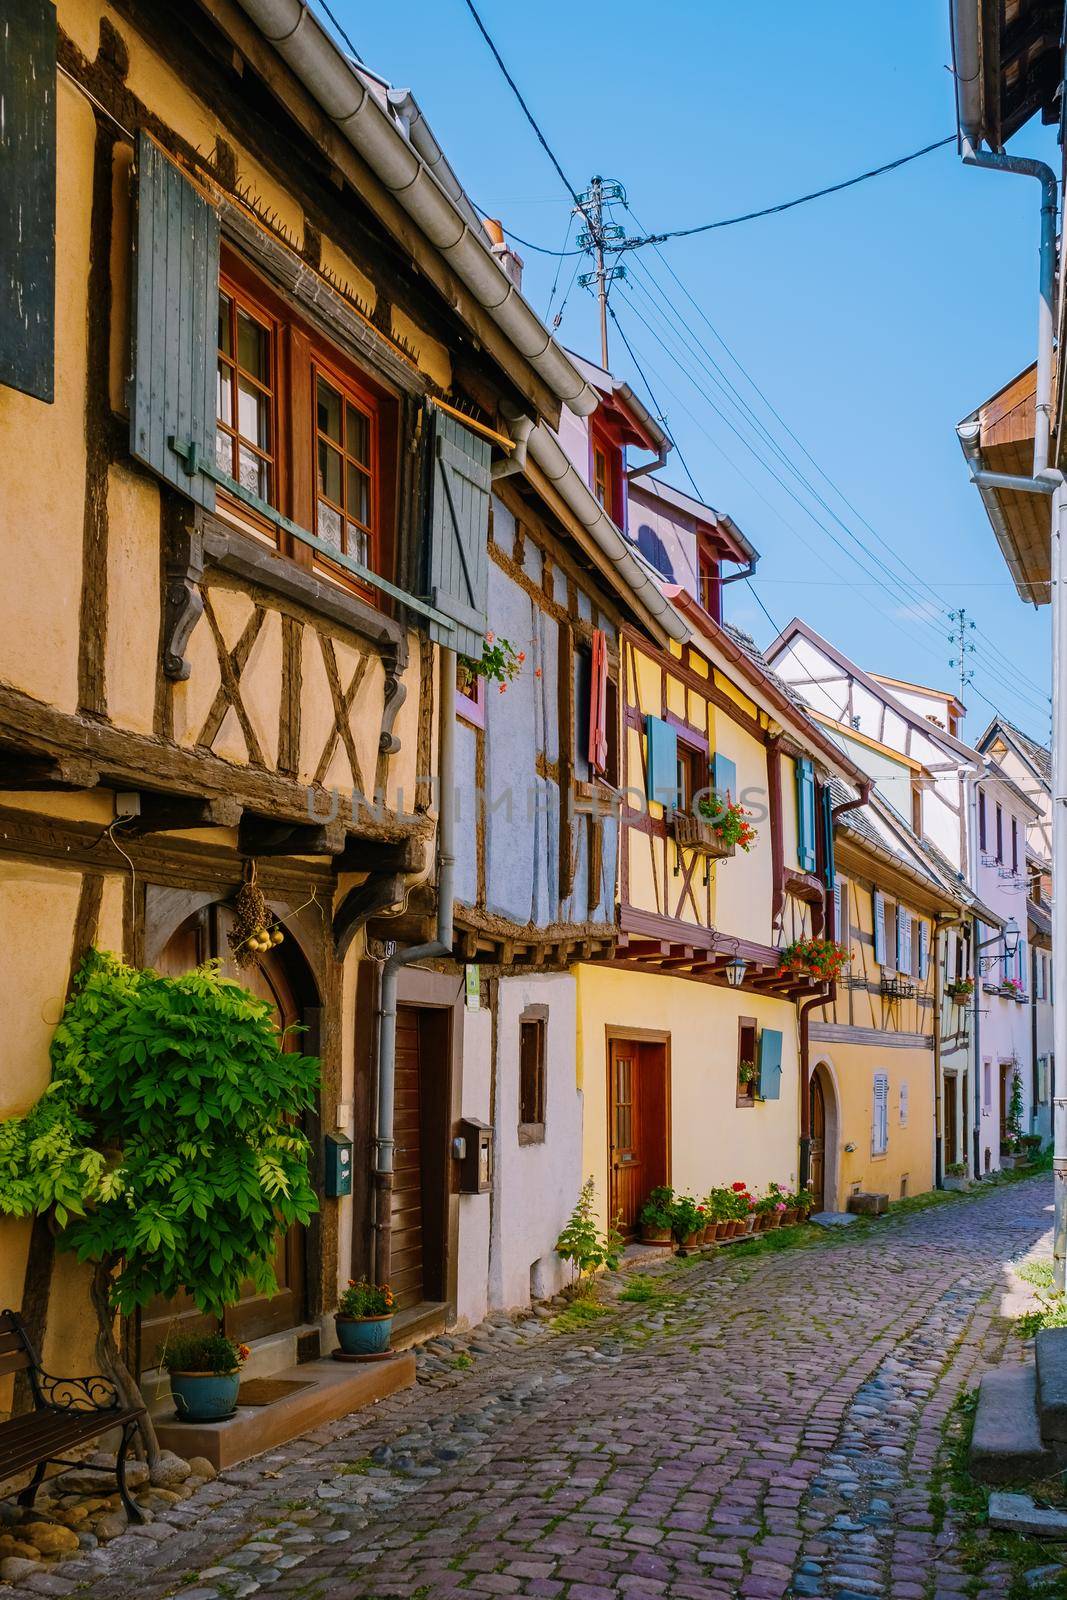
[827, 997]
[1059, 896]
[519, 428]
[650, 466]
[976, 1159]
[441, 946]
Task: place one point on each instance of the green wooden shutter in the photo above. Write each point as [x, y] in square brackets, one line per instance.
[175, 325]
[806, 815]
[724, 777]
[770, 1064]
[28, 198]
[458, 566]
[662, 777]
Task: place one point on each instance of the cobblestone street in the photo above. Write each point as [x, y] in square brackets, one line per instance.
[768, 1425]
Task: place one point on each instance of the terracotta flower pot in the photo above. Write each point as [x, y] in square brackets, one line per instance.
[790, 1216]
[650, 1234]
[694, 1239]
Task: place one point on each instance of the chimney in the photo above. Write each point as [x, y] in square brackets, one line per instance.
[510, 263]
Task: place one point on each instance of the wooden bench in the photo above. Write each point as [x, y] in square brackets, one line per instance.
[68, 1412]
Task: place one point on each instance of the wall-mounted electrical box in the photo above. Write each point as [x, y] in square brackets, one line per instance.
[474, 1151]
[337, 1166]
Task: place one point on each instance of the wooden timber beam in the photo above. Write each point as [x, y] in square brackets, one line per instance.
[18, 771]
[165, 813]
[266, 836]
[368, 855]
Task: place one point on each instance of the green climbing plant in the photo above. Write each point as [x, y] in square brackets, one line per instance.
[164, 1147]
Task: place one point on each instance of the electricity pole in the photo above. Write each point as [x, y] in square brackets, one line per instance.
[960, 640]
[597, 237]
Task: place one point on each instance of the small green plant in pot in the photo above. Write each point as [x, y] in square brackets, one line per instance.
[205, 1374]
[364, 1318]
[688, 1221]
[655, 1216]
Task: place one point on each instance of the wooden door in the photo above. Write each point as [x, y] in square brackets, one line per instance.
[950, 1137]
[637, 1126]
[817, 1149]
[200, 938]
[419, 1213]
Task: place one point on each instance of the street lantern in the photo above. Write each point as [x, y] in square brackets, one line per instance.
[736, 968]
[1011, 939]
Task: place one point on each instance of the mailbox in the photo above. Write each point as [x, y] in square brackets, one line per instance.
[338, 1166]
[474, 1152]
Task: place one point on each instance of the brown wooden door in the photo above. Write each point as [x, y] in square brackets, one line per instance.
[637, 1126]
[950, 1136]
[200, 938]
[420, 1171]
[817, 1152]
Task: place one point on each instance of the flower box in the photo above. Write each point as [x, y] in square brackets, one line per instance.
[696, 833]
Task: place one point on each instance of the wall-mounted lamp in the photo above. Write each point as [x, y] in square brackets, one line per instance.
[1007, 939]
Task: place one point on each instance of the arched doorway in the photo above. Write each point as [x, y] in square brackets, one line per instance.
[283, 979]
[824, 1153]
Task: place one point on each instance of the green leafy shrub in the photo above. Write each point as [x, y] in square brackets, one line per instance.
[656, 1211]
[364, 1299]
[581, 1241]
[687, 1217]
[163, 1144]
[207, 1352]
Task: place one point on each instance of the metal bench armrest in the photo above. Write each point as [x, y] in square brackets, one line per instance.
[93, 1393]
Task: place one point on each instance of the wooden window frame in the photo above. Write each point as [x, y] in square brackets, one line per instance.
[299, 350]
[746, 1092]
[533, 1023]
[471, 707]
[236, 287]
[983, 829]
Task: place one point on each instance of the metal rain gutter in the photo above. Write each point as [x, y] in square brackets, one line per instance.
[969, 435]
[327, 74]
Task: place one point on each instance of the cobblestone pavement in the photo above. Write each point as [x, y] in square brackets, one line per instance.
[768, 1426]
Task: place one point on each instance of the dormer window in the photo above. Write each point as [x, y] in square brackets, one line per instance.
[602, 477]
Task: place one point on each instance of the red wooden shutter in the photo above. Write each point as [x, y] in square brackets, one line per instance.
[598, 703]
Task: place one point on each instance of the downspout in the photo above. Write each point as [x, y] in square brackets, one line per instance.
[441, 946]
[519, 428]
[742, 572]
[826, 998]
[650, 466]
[976, 1157]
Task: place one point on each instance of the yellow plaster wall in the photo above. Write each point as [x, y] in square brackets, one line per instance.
[713, 1141]
[910, 1148]
[133, 599]
[42, 453]
[430, 355]
[744, 885]
[344, 272]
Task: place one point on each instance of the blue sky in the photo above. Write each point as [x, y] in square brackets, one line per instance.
[872, 321]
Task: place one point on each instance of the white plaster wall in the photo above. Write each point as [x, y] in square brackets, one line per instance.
[473, 1249]
[535, 1186]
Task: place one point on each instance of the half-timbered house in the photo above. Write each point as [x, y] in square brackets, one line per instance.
[266, 362]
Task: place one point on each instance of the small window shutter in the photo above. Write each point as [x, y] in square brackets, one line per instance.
[879, 927]
[806, 815]
[175, 322]
[904, 925]
[459, 533]
[770, 1064]
[837, 912]
[880, 1119]
[724, 777]
[924, 949]
[662, 779]
[28, 198]
[598, 702]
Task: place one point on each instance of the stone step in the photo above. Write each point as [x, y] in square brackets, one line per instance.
[1006, 1445]
[1051, 1351]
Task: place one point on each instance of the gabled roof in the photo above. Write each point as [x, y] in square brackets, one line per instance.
[619, 403]
[798, 629]
[997, 772]
[1038, 757]
[1039, 918]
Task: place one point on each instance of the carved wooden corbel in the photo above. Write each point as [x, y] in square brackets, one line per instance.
[395, 695]
[183, 603]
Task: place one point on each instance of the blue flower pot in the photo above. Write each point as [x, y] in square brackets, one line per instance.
[204, 1396]
[364, 1336]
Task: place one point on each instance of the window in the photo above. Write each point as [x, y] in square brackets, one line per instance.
[470, 696]
[692, 775]
[344, 454]
[611, 773]
[246, 400]
[1014, 844]
[303, 431]
[916, 807]
[602, 477]
[981, 820]
[1000, 835]
[987, 1083]
[746, 1061]
[709, 579]
[880, 1115]
[532, 1029]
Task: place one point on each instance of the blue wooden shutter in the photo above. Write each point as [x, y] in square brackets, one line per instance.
[924, 949]
[806, 815]
[770, 1064]
[662, 779]
[878, 905]
[459, 534]
[724, 777]
[28, 198]
[175, 325]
